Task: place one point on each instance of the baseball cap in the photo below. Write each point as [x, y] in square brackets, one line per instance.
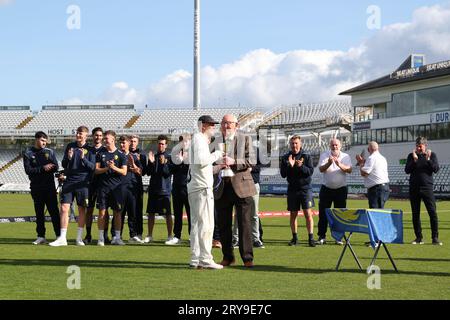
[207, 119]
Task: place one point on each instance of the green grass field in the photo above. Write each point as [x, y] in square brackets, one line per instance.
[159, 272]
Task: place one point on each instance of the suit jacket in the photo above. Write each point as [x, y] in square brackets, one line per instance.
[245, 158]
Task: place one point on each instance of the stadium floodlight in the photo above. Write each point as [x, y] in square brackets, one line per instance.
[197, 55]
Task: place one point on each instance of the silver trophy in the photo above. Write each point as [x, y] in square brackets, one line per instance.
[226, 148]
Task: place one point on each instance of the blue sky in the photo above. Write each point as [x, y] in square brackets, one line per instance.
[141, 42]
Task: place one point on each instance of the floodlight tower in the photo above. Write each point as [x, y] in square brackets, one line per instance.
[197, 55]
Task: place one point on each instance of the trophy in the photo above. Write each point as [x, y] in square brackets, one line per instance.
[225, 148]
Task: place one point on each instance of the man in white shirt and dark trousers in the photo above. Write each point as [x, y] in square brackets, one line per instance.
[335, 166]
[200, 194]
[376, 179]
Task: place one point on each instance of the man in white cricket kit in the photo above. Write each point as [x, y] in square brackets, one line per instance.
[200, 195]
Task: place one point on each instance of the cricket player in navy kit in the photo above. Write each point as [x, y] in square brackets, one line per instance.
[111, 166]
[131, 186]
[142, 157]
[297, 167]
[160, 187]
[180, 170]
[78, 163]
[40, 164]
[97, 137]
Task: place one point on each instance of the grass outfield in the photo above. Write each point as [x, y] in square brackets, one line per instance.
[159, 272]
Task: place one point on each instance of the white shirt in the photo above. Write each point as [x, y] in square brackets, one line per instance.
[200, 167]
[334, 177]
[377, 169]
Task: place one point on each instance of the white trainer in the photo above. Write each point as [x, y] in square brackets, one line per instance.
[101, 243]
[135, 240]
[60, 242]
[148, 239]
[80, 243]
[117, 242]
[39, 241]
[211, 265]
[173, 242]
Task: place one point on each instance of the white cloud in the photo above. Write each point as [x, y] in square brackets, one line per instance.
[5, 2]
[262, 78]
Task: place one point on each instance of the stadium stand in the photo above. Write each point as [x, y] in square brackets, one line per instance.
[6, 156]
[12, 119]
[72, 119]
[14, 174]
[331, 112]
[315, 122]
[164, 119]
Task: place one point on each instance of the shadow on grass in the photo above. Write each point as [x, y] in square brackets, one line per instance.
[272, 268]
[420, 259]
[20, 241]
[28, 242]
[172, 265]
[304, 243]
[93, 263]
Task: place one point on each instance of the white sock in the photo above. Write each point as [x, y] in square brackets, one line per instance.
[117, 233]
[63, 234]
[101, 235]
[80, 233]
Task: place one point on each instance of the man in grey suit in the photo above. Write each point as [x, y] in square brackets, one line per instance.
[234, 188]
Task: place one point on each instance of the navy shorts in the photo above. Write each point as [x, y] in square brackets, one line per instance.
[110, 198]
[75, 191]
[92, 195]
[159, 205]
[300, 199]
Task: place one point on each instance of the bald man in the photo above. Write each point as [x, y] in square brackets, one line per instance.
[334, 165]
[376, 178]
[234, 188]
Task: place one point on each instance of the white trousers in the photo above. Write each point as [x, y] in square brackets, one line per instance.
[202, 226]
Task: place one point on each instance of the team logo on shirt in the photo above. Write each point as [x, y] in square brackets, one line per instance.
[85, 151]
[116, 157]
[47, 156]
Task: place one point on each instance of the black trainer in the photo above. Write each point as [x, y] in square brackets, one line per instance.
[293, 242]
[312, 243]
[258, 244]
[418, 241]
[87, 240]
[436, 242]
[321, 241]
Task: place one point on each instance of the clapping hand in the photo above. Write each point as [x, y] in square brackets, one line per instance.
[415, 156]
[291, 160]
[151, 157]
[131, 161]
[428, 154]
[110, 164]
[299, 163]
[70, 153]
[336, 161]
[330, 160]
[360, 159]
